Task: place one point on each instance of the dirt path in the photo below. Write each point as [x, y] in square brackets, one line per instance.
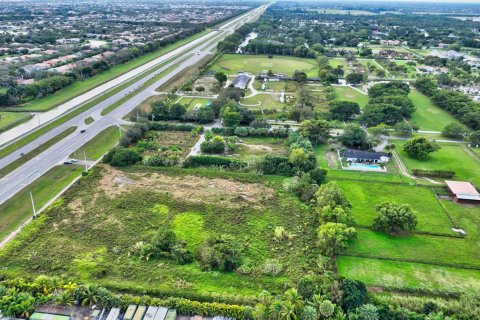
[331, 160]
[403, 169]
[196, 148]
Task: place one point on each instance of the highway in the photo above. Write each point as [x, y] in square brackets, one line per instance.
[187, 55]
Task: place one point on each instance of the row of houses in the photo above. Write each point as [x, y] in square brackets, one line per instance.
[53, 64]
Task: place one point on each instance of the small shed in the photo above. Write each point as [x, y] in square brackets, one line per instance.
[463, 192]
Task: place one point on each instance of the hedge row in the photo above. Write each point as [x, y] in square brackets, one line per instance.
[433, 173]
[252, 132]
[171, 127]
[209, 161]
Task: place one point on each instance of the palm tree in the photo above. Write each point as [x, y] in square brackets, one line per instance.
[90, 294]
[288, 311]
[275, 311]
[309, 313]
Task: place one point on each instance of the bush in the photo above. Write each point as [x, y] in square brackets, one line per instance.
[433, 173]
[420, 147]
[215, 145]
[277, 165]
[172, 127]
[355, 294]
[121, 157]
[219, 252]
[207, 161]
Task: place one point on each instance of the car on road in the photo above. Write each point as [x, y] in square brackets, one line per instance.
[67, 162]
[73, 160]
[82, 131]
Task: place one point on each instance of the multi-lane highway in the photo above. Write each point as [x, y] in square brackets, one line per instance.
[185, 56]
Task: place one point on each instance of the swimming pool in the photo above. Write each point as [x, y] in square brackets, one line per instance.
[365, 167]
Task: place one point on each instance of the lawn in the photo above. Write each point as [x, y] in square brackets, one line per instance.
[349, 94]
[457, 252]
[264, 101]
[449, 157]
[253, 148]
[9, 120]
[17, 209]
[428, 116]
[90, 233]
[364, 196]
[79, 87]
[191, 102]
[98, 146]
[233, 63]
[395, 274]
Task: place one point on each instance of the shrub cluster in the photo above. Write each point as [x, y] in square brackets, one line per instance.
[214, 161]
[433, 173]
[252, 132]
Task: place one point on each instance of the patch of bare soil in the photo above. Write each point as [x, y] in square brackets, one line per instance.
[260, 147]
[190, 188]
[331, 159]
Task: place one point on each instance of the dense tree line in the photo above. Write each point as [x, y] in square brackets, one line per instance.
[457, 103]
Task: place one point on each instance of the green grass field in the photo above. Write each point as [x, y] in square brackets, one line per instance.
[449, 157]
[17, 209]
[349, 94]
[364, 196]
[82, 86]
[98, 146]
[11, 119]
[263, 101]
[190, 103]
[417, 248]
[233, 63]
[395, 274]
[428, 116]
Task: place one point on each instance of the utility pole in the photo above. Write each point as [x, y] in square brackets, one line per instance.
[85, 159]
[33, 206]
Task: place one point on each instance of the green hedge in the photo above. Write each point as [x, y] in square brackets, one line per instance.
[171, 127]
[208, 161]
[434, 173]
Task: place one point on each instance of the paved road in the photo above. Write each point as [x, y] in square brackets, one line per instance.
[30, 171]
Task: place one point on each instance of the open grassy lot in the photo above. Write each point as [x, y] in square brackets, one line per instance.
[17, 209]
[90, 233]
[428, 116]
[263, 101]
[449, 157]
[11, 119]
[395, 274]
[234, 63]
[255, 148]
[439, 250]
[364, 196]
[80, 87]
[364, 176]
[181, 140]
[191, 102]
[98, 146]
[349, 94]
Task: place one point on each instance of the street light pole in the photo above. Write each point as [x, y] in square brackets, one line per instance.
[85, 159]
[33, 206]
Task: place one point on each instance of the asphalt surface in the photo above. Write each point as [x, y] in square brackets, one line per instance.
[190, 55]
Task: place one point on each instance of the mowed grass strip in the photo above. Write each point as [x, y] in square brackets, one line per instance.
[348, 94]
[407, 275]
[427, 115]
[233, 63]
[83, 86]
[447, 251]
[17, 209]
[35, 152]
[98, 146]
[9, 120]
[364, 196]
[450, 157]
